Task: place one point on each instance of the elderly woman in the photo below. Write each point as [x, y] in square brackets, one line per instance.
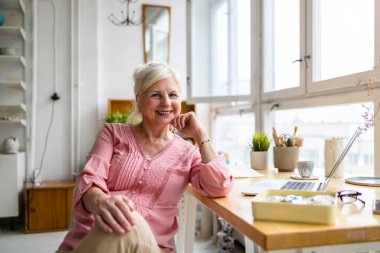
[127, 195]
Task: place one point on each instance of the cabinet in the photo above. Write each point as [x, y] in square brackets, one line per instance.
[12, 167]
[13, 71]
[48, 206]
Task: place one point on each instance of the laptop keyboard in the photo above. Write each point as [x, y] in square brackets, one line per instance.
[294, 185]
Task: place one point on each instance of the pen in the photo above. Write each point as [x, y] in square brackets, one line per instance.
[319, 186]
[275, 137]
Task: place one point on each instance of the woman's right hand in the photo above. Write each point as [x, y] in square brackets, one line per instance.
[111, 213]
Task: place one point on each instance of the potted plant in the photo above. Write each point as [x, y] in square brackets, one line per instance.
[117, 118]
[259, 151]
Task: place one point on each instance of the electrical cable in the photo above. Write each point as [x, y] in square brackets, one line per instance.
[54, 97]
[46, 142]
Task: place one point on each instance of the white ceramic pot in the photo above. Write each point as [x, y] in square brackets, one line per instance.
[259, 160]
[11, 145]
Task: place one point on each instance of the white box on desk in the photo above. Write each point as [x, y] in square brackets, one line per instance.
[263, 209]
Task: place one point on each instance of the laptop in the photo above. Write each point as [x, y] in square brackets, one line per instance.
[304, 185]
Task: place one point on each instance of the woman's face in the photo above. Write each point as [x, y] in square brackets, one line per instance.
[161, 103]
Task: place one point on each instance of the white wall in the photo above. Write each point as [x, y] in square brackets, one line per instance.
[52, 37]
[107, 56]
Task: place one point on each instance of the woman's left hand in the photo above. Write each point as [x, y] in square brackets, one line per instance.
[189, 125]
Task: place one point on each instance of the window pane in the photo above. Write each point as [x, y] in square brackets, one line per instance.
[281, 44]
[221, 48]
[232, 133]
[317, 124]
[241, 71]
[343, 37]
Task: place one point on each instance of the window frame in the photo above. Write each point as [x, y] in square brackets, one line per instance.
[294, 91]
[255, 58]
[349, 82]
[341, 90]
[307, 86]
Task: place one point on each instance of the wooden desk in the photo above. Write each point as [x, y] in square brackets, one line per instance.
[356, 228]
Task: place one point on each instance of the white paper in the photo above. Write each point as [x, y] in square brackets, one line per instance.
[239, 171]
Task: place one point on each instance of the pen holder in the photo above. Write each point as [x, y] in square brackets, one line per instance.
[285, 158]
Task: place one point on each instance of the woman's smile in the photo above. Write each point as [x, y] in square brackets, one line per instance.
[164, 112]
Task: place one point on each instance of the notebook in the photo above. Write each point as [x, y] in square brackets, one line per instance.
[305, 185]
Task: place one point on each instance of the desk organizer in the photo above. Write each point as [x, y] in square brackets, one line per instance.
[264, 209]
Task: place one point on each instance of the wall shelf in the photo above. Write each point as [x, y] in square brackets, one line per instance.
[12, 59]
[13, 121]
[13, 31]
[13, 85]
[12, 5]
[13, 99]
[21, 107]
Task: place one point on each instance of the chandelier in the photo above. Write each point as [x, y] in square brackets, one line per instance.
[126, 18]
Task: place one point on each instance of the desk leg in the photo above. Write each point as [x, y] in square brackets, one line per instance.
[191, 208]
[249, 246]
[186, 216]
[181, 234]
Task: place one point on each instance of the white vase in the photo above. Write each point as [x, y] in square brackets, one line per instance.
[259, 160]
[11, 145]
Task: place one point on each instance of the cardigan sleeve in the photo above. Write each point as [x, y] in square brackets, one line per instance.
[212, 179]
[96, 169]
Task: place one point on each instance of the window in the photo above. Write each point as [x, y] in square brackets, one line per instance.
[313, 46]
[318, 123]
[221, 55]
[281, 44]
[321, 50]
[232, 133]
[343, 27]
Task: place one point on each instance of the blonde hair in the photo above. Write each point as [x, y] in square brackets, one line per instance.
[144, 77]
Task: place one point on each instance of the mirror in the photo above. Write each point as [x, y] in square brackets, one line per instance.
[156, 27]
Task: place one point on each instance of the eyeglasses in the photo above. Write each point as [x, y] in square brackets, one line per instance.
[348, 196]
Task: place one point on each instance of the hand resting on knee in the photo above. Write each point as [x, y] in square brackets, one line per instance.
[111, 213]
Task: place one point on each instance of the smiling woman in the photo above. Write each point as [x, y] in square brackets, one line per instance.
[123, 188]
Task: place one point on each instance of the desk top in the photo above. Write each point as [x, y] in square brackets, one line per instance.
[354, 222]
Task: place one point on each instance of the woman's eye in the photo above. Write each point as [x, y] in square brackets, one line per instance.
[156, 95]
[173, 95]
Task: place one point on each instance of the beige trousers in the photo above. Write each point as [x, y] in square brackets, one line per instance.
[139, 240]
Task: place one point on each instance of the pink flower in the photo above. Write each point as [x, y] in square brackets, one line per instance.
[369, 118]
